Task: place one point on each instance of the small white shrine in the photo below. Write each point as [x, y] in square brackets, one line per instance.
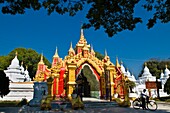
[163, 78]
[21, 85]
[17, 73]
[147, 76]
[127, 73]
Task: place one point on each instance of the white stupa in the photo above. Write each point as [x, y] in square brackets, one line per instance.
[27, 77]
[164, 76]
[127, 72]
[146, 76]
[20, 85]
[133, 78]
[16, 73]
[167, 72]
[130, 76]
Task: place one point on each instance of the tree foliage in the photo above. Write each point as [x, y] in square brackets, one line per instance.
[99, 55]
[4, 84]
[130, 85]
[112, 15]
[29, 57]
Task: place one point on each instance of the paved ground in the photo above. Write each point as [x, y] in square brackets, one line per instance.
[162, 108]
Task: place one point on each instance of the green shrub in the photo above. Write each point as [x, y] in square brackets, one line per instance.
[13, 103]
[168, 100]
[23, 102]
[9, 103]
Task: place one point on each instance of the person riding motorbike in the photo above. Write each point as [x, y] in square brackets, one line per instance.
[144, 98]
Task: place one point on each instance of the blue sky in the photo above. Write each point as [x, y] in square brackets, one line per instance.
[43, 33]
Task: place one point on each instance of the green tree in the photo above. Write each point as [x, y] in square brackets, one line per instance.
[29, 57]
[4, 84]
[130, 85]
[112, 15]
[153, 67]
[4, 62]
[167, 86]
[99, 55]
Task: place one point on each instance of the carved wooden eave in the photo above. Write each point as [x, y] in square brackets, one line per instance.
[108, 63]
[80, 45]
[110, 67]
[93, 63]
[92, 60]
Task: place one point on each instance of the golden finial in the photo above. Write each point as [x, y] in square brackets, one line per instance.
[42, 57]
[166, 66]
[105, 52]
[81, 34]
[145, 63]
[16, 53]
[41, 60]
[92, 50]
[91, 47]
[121, 62]
[71, 48]
[56, 53]
[22, 63]
[71, 51]
[71, 45]
[117, 62]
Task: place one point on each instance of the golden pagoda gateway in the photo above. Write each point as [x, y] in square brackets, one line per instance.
[67, 74]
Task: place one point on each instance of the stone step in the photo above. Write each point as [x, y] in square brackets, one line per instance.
[100, 104]
[55, 104]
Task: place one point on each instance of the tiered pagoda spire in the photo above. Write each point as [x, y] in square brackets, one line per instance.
[56, 58]
[56, 53]
[41, 60]
[82, 35]
[92, 51]
[82, 43]
[105, 53]
[117, 63]
[71, 50]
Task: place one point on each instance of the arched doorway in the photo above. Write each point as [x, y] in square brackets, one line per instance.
[87, 83]
[83, 86]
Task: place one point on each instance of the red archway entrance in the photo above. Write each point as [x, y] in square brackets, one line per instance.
[87, 81]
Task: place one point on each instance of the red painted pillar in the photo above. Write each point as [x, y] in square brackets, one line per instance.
[61, 81]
